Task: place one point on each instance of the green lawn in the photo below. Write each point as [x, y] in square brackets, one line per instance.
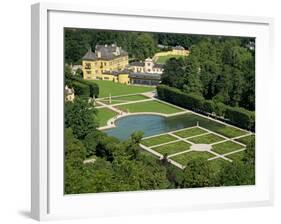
[150, 106]
[191, 119]
[124, 99]
[184, 158]
[163, 59]
[206, 139]
[231, 132]
[104, 115]
[246, 140]
[115, 89]
[236, 156]
[172, 148]
[189, 132]
[226, 147]
[157, 140]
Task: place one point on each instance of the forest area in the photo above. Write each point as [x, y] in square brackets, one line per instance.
[219, 69]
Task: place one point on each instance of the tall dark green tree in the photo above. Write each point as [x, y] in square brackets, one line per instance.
[68, 76]
[80, 116]
[192, 82]
[236, 173]
[174, 73]
[144, 46]
[75, 153]
[197, 174]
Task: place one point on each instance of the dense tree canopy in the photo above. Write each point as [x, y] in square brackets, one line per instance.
[197, 174]
[80, 117]
[222, 69]
[116, 170]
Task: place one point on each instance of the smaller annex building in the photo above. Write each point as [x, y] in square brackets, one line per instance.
[148, 66]
[151, 79]
[175, 51]
[121, 76]
[68, 94]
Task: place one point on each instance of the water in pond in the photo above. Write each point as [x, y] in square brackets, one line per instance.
[155, 124]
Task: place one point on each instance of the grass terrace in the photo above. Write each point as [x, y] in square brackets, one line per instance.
[184, 158]
[226, 147]
[150, 106]
[190, 132]
[104, 114]
[191, 119]
[231, 132]
[124, 99]
[236, 156]
[158, 140]
[206, 139]
[246, 140]
[172, 148]
[115, 89]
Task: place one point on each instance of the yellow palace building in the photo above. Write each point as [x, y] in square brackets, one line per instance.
[108, 62]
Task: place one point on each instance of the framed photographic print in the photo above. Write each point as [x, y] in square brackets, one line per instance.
[148, 111]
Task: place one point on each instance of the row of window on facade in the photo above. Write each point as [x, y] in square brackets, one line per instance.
[145, 82]
[89, 72]
[116, 61]
[88, 65]
[142, 69]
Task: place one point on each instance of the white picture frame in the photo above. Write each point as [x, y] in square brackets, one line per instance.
[48, 201]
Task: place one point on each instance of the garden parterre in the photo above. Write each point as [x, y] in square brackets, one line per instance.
[176, 145]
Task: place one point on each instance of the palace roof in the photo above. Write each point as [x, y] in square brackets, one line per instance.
[137, 63]
[90, 55]
[154, 76]
[178, 47]
[141, 64]
[104, 52]
[158, 65]
[118, 72]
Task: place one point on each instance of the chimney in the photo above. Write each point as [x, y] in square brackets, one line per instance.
[99, 54]
[117, 51]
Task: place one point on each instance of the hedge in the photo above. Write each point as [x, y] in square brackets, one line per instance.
[81, 89]
[84, 88]
[177, 97]
[241, 117]
[234, 115]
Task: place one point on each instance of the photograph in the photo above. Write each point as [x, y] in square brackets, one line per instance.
[150, 111]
